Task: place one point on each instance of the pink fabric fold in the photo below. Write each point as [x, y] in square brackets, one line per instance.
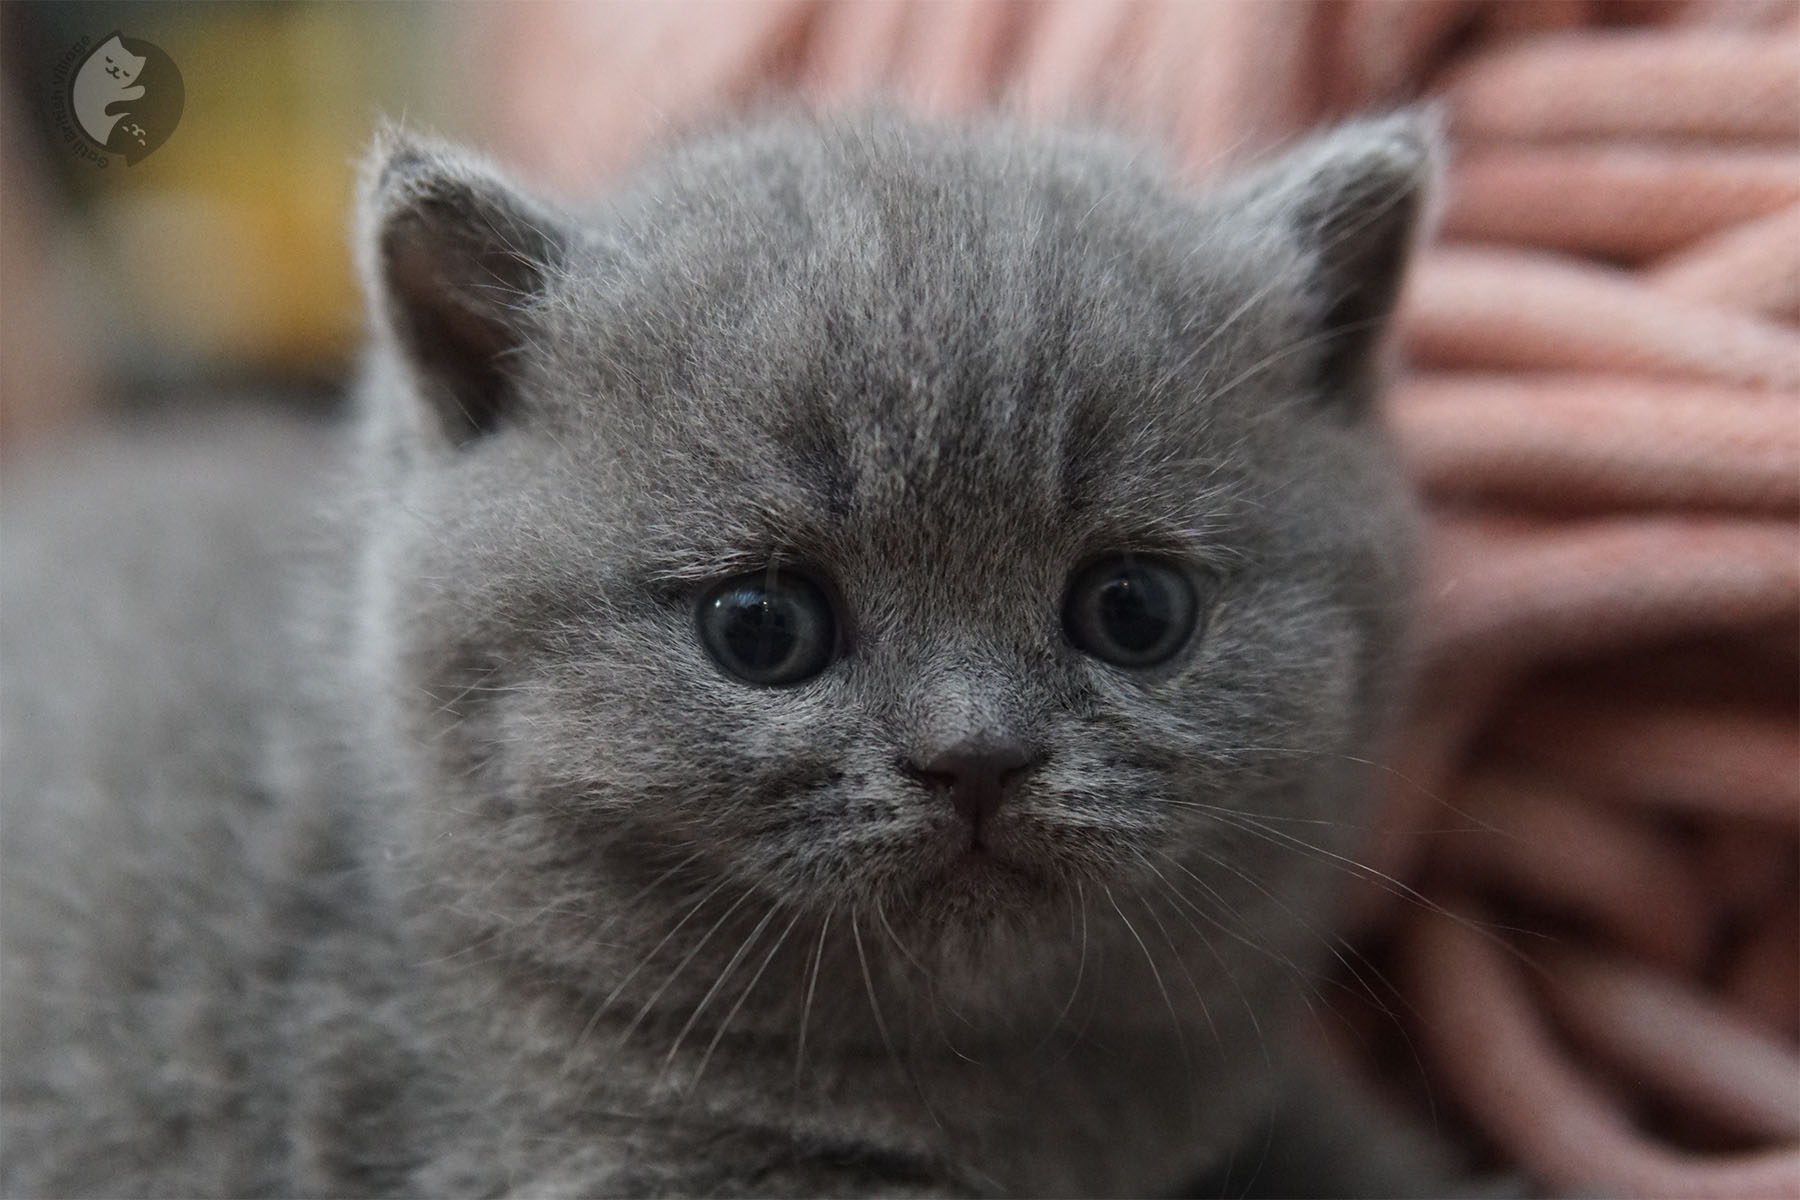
[1624, 202]
[1589, 442]
[1600, 775]
[1488, 308]
[1701, 84]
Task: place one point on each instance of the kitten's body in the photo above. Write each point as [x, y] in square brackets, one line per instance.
[424, 849]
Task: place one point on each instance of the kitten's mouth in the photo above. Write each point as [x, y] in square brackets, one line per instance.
[972, 875]
[977, 862]
[965, 846]
[977, 857]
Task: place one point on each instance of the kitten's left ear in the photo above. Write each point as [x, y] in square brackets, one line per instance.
[456, 261]
[1357, 200]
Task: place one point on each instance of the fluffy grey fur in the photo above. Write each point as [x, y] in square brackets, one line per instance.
[422, 848]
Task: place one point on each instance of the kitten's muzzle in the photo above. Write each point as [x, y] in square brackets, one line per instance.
[976, 776]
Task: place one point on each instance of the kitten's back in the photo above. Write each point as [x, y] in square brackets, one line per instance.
[144, 637]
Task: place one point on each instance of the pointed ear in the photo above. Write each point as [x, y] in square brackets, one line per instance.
[456, 262]
[1357, 200]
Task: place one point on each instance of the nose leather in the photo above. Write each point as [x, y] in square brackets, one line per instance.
[975, 776]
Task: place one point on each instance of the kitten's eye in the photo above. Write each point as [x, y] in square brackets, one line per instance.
[768, 629]
[1130, 611]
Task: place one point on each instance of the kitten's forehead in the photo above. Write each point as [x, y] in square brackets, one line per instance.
[1004, 343]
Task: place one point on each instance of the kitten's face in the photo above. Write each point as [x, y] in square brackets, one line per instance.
[117, 63]
[955, 534]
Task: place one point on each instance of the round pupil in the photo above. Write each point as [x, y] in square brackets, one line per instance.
[759, 629]
[1135, 609]
[1130, 613]
[768, 630]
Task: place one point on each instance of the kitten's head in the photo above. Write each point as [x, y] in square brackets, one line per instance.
[120, 66]
[946, 531]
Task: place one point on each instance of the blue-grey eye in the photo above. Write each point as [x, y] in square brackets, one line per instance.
[768, 628]
[1130, 611]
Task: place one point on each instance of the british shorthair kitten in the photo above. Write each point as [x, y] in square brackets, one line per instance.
[800, 681]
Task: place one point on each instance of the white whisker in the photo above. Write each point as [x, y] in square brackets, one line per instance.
[1155, 974]
[812, 986]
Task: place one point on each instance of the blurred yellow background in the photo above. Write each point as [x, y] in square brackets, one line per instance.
[224, 255]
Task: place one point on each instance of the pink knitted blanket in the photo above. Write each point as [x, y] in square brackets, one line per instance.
[1585, 888]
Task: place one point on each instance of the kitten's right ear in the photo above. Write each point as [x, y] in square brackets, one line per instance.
[456, 262]
[1355, 201]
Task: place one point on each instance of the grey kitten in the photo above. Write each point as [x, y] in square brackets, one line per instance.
[803, 682]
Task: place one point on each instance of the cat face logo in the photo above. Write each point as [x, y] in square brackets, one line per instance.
[127, 96]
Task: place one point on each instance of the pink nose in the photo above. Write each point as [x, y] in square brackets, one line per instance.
[974, 775]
